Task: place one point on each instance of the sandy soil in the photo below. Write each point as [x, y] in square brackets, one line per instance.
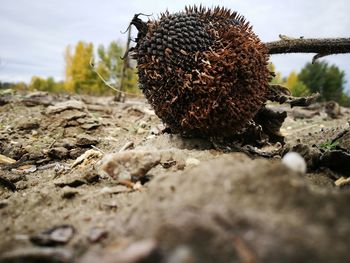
[91, 180]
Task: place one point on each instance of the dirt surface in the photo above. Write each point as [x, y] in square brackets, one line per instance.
[85, 179]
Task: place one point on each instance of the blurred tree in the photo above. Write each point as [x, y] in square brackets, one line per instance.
[38, 84]
[345, 100]
[59, 86]
[20, 86]
[41, 84]
[327, 80]
[111, 65]
[112, 62]
[6, 85]
[68, 58]
[102, 66]
[292, 79]
[50, 84]
[79, 76]
[296, 87]
[278, 75]
[131, 81]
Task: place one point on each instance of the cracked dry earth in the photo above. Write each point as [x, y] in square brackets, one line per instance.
[86, 179]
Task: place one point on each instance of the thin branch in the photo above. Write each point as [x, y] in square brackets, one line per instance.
[303, 101]
[126, 65]
[281, 94]
[107, 84]
[319, 55]
[278, 93]
[321, 46]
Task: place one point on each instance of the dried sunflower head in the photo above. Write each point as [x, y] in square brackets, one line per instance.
[204, 71]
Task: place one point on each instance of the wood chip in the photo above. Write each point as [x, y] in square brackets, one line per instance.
[6, 160]
[342, 181]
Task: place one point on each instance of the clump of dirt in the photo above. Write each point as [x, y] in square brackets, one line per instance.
[85, 179]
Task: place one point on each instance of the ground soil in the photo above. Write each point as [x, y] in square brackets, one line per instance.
[99, 181]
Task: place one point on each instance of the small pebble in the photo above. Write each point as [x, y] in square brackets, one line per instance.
[57, 235]
[3, 203]
[295, 162]
[126, 165]
[57, 152]
[86, 140]
[68, 192]
[97, 234]
[192, 161]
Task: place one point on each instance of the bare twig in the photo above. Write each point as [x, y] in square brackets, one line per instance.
[97, 149]
[278, 93]
[322, 46]
[126, 65]
[126, 146]
[107, 84]
[52, 144]
[281, 94]
[303, 101]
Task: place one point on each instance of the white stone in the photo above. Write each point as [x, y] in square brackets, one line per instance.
[295, 162]
[127, 164]
[192, 161]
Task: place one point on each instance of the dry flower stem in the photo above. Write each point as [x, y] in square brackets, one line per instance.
[321, 46]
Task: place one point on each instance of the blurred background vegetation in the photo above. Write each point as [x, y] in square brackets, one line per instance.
[80, 77]
[328, 80]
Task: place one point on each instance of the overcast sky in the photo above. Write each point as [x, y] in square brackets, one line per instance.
[34, 34]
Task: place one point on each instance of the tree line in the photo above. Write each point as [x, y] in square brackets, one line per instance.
[328, 80]
[81, 78]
